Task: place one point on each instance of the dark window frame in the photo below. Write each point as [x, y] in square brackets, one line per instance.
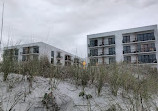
[126, 39]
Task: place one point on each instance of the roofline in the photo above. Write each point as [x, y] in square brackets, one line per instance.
[90, 35]
[14, 46]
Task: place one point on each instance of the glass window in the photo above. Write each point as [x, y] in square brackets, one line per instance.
[52, 53]
[93, 61]
[147, 58]
[111, 40]
[126, 39]
[146, 36]
[35, 57]
[144, 48]
[112, 51]
[93, 52]
[139, 47]
[127, 59]
[126, 49]
[35, 49]
[16, 58]
[52, 60]
[16, 51]
[25, 50]
[152, 47]
[58, 55]
[93, 43]
[111, 60]
[24, 58]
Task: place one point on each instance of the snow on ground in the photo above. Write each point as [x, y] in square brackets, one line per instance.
[15, 94]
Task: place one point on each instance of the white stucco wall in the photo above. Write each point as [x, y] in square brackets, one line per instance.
[45, 50]
[118, 40]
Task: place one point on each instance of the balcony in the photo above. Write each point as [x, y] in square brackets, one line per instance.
[102, 45]
[136, 41]
[30, 50]
[92, 55]
[92, 46]
[68, 58]
[59, 63]
[106, 45]
[142, 50]
[36, 50]
[102, 54]
[59, 57]
[25, 52]
[76, 61]
[148, 61]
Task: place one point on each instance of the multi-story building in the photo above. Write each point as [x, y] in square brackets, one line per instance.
[135, 45]
[37, 50]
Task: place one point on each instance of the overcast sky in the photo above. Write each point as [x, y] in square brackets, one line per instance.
[66, 23]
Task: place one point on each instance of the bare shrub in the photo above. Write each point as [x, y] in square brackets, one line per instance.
[8, 63]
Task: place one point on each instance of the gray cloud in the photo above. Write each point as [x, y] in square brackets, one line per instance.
[66, 23]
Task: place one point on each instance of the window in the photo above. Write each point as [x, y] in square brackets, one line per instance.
[24, 58]
[93, 43]
[146, 47]
[112, 51]
[67, 63]
[152, 47]
[126, 39]
[68, 57]
[126, 49]
[111, 40]
[112, 60]
[26, 50]
[58, 62]
[52, 53]
[146, 36]
[52, 60]
[93, 61]
[76, 60]
[16, 58]
[59, 55]
[16, 51]
[93, 52]
[127, 59]
[147, 58]
[35, 49]
[35, 57]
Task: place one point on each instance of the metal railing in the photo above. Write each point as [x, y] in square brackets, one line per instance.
[143, 62]
[102, 54]
[140, 50]
[136, 40]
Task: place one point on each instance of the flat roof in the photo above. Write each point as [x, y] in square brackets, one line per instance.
[123, 31]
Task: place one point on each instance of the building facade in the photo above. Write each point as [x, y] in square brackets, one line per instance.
[135, 45]
[37, 50]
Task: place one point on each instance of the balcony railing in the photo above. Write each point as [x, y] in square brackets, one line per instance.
[68, 59]
[103, 44]
[135, 41]
[89, 45]
[25, 52]
[144, 62]
[59, 63]
[102, 54]
[35, 51]
[59, 57]
[89, 55]
[139, 51]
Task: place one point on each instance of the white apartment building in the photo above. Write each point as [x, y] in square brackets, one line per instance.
[37, 50]
[135, 45]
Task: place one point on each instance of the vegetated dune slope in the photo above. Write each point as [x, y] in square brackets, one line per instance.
[15, 96]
